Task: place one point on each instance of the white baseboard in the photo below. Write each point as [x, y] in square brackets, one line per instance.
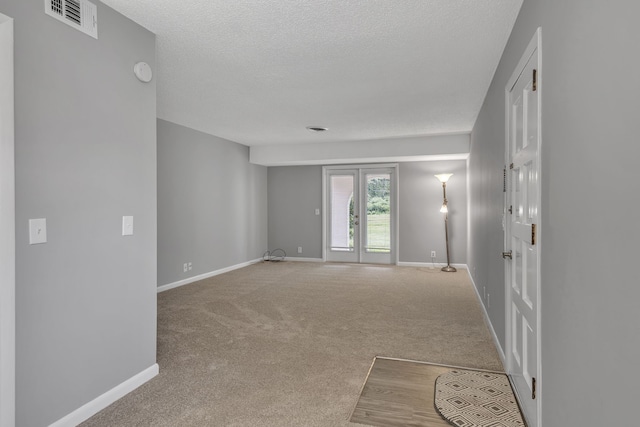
[487, 320]
[206, 275]
[300, 259]
[429, 264]
[99, 403]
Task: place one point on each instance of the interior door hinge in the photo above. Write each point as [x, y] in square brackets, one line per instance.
[533, 234]
[535, 80]
[533, 388]
[511, 166]
[511, 209]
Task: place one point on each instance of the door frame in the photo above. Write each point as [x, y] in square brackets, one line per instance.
[7, 226]
[535, 46]
[395, 204]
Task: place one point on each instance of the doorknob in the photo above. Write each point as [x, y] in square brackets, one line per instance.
[356, 223]
[506, 255]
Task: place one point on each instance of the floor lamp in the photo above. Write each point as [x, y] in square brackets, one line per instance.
[443, 178]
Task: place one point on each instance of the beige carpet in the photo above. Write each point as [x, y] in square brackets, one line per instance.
[290, 344]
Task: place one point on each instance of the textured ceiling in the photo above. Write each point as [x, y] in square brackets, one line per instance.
[258, 72]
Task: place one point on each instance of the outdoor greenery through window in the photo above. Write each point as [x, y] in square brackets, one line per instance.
[378, 213]
[372, 220]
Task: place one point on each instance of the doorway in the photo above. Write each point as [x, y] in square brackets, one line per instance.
[7, 226]
[360, 214]
[522, 231]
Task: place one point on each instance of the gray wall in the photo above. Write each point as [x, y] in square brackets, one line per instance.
[212, 203]
[421, 222]
[296, 191]
[85, 156]
[590, 292]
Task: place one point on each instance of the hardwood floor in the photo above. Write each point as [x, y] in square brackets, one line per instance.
[399, 393]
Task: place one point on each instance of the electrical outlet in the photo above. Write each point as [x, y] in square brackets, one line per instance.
[190, 266]
[433, 254]
[185, 267]
[299, 249]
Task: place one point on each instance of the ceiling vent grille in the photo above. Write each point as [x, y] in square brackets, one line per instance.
[79, 14]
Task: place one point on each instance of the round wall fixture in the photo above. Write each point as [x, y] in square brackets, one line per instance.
[143, 72]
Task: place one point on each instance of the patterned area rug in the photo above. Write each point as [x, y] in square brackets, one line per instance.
[477, 399]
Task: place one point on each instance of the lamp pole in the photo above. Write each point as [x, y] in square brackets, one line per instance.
[445, 209]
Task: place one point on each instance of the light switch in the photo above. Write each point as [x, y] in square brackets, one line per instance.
[317, 211]
[127, 226]
[37, 231]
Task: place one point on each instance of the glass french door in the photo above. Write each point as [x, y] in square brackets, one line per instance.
[360, 215]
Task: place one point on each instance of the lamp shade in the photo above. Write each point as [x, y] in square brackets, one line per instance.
[443, 177]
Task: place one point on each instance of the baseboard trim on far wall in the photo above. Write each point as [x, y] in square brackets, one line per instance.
[487, 320]
[429, 264]
[88, 410]
[300, 259]
[206, 275]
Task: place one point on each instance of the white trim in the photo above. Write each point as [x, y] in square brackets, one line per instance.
[430, 265]
[301, 259]
[468, 184]
[534, 47]
[487, 320]
[324, 213]
[363, 166]
[206, 275]
[407, 149]
[396, 215]
[88, 410]
[7, 227]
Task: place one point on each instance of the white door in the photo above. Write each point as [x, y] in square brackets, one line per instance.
[360, 215]
[522, 232]
[343, 231]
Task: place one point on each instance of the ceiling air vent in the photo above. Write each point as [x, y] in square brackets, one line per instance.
[79, 14]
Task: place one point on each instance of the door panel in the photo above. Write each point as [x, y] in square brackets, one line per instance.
[522, 236]
[343, 236]
[376, 217]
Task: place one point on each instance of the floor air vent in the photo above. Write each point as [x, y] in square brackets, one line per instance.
[79, 14]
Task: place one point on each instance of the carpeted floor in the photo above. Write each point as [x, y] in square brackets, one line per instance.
[290, 344]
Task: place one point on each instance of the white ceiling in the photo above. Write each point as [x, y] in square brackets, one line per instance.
[258, 72]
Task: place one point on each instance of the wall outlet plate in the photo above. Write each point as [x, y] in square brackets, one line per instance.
[37, 231]
[127, 226]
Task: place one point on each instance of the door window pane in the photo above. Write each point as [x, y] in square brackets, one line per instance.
[342, 212]
[378, 232]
